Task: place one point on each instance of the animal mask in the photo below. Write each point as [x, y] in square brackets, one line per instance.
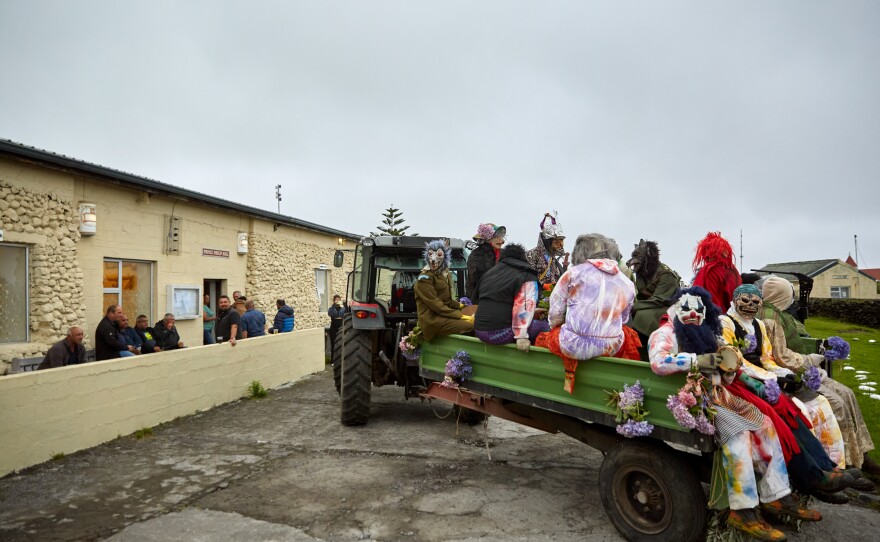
[690, 310]
[438, 255]
[645, 259]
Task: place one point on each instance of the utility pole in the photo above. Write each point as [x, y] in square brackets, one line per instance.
[278, 196]
[741, 264]
[856, 253]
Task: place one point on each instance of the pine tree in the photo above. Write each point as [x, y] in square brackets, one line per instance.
[391, 225]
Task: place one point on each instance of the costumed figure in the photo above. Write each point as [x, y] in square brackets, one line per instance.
[544, 257]
[589, 305]
[508, 295]
[490, 239]
[438, 313]
[655, 285]
[747, 439]
[759, 377]
[715, 271]
[786, 343]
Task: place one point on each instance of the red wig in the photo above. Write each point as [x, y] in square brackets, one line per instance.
[713, 248]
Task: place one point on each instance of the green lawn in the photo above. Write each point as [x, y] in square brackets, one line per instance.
[864, 355]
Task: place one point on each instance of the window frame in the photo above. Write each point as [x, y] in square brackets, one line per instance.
[839, 290]
[118, 289]
[323, 306]
[27, 291]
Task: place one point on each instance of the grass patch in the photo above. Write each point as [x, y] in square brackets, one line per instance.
[58, 457]
[145, 432]
[863, 356]
[256, 390]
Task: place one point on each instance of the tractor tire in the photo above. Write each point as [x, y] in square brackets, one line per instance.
[355, 380]
[336, 359]
[651, 493]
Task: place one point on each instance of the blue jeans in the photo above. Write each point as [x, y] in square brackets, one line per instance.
[125, 354]
[208, 337]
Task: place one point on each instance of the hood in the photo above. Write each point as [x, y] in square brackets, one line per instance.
[605, 266]
[286, 309]
[518, 264]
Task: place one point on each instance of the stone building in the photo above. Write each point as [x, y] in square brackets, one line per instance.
[832, 279]
[76, 237]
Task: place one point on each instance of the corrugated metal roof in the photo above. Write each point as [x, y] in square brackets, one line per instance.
[59, 161]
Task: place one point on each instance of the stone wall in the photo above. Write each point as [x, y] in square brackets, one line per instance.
[280, 267]
[49, 225]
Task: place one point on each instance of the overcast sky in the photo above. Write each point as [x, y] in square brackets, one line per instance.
[662, 120]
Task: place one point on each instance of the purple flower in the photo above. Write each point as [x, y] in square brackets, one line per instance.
[631, 396]
[633, 428]
[459, 366]
[751, 343]
[486, 231]
[680, 412]
[466, 301]
[771, 391]
[704, 425]
[838, 349]
[812, 378]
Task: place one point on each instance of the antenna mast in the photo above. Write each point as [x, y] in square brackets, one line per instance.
[856, 254]
[741, 265]
[278, 196]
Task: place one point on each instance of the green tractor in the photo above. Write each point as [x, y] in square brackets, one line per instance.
[381, 310]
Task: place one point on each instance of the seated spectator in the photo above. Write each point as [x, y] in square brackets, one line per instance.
[109, 344]
[228, 321]
[284, 318]
[508, 295]
[129, 335]
[166, 333]
[67, 351]
[145, 334]
[253, 322]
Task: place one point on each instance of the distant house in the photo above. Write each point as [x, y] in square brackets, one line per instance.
[831, 278]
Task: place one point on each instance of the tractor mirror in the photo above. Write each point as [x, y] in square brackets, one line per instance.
[338, 258]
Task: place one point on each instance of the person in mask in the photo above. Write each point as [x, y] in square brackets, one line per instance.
[551, 246]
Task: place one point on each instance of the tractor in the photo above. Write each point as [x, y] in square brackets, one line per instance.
[381, 310]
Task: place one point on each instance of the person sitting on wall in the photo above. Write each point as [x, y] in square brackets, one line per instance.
[67, 351]
[166, 333]
[145, 334]
[253, 322]
[508, 297]
[238, 302]
[129, 335]
[109, 344]
[284, 318]
[438, 313]
[228, 322]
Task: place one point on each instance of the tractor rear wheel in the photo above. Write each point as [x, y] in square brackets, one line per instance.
[652, 494]
[355, 366]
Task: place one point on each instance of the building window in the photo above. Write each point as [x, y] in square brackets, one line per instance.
[130, 284]
[840, 292]
[322, 286]
[14, 295]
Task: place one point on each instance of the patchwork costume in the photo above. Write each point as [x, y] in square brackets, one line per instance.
[438, 313]
[542, 257]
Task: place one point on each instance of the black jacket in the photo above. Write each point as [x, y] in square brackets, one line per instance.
[481, 260]
[497, 291]
[108, 341]
[166, 339]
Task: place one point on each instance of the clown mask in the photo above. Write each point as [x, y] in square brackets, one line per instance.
[689, 310]
[747, 305]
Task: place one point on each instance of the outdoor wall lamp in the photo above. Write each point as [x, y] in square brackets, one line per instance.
[88, 218]
[242, 243]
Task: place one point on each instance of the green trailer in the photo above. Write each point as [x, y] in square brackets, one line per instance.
[652, 488]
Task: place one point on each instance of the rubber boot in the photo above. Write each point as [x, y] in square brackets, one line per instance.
[832, 482]
[870, 466]
[750, 522]
[789, 505]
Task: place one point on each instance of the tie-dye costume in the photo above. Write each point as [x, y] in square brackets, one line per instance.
[591, 302]
[759, 364]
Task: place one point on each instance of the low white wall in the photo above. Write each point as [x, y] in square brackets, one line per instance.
[76, 407]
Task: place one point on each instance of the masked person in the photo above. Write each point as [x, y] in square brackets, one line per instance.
[489, 239]
[544, 257]
[713, 265]
[655, 284]
[508, 296]
[781, 328]
[753, 466]
[438, 313]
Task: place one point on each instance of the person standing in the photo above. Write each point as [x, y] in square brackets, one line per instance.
[238, 301]
[67, 351]
[284, 318]
[209, 319]
[228, 322]
[108, 342]
[336, 312]
[253, 322]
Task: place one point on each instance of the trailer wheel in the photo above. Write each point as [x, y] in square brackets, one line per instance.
[652, 494]
[355, 374]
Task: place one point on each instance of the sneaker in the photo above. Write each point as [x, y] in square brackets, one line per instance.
[750, 522]
[833, 482]
[788, 505]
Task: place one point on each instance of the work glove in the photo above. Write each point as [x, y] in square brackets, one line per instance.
[707, 361]
[467, 318]
[814, 360]
[523, 345]
[461, 305]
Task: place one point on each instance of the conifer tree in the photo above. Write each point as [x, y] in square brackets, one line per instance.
[392, 223]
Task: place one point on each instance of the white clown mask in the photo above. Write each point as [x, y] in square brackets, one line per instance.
[689, 310]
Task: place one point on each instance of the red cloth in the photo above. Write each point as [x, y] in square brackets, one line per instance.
[497, 254]
[784, 408]
[631, 343]
[720, 280]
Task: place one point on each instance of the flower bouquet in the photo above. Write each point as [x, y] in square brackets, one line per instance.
[409, 345]
[458, 369]
[630, 411]
[690, 406]
[544, 296]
